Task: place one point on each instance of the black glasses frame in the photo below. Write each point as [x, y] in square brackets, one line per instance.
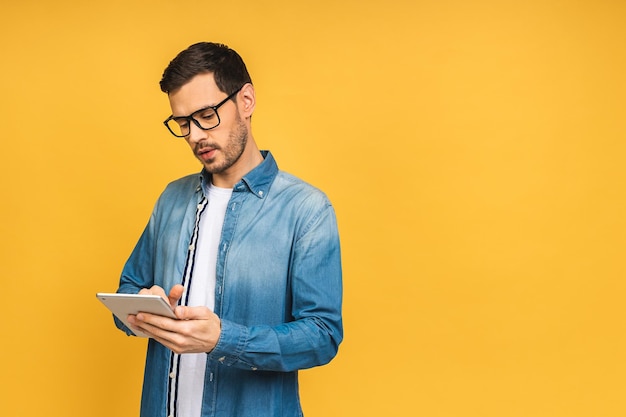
[191, 118]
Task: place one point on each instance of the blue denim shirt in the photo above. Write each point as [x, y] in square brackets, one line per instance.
[278, 291]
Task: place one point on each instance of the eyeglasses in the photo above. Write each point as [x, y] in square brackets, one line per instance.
[206, 118]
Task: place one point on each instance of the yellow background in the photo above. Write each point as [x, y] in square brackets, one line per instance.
[474, 151]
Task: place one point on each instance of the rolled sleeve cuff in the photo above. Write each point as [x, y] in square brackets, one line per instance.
[231, 344]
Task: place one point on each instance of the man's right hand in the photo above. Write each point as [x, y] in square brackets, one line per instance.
[175, 293]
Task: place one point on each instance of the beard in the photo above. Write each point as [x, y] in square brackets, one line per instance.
[232, 151]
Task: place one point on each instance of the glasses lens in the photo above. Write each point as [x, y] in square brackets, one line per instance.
[207, 118]
[179, 127]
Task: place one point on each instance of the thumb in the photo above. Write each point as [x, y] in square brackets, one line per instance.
[175, 293]
[192, 313]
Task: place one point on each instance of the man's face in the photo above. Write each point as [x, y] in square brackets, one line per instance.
[220, 148]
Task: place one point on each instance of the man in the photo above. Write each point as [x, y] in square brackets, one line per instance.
[247, 255]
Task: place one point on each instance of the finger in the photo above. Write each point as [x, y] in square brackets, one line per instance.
[192, 313]
[175, 293]
[153, 324]
[136, 325]
[154, 290]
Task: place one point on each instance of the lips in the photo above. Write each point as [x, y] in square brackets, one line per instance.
[206, 153]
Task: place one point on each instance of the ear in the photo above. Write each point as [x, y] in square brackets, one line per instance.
[246, 101]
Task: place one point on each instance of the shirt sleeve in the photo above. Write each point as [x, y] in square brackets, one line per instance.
[138, 270]
[313, 337]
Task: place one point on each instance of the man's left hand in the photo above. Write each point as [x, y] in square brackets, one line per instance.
[196, 330]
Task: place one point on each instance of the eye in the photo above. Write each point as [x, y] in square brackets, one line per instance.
[207, 114]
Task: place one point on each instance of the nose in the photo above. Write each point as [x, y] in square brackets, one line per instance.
[196, 134]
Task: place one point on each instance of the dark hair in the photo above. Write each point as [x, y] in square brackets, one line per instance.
[227, 67]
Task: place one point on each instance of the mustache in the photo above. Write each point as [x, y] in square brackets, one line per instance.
[205, 145]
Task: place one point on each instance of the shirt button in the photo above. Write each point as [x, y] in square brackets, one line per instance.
[172, 375]
[261, 193]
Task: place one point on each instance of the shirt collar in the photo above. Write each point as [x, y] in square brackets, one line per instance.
[257, 181]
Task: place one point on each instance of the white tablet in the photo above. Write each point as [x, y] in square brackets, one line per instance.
[121, 305]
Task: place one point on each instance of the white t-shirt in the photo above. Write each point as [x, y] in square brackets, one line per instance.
[202, 293]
